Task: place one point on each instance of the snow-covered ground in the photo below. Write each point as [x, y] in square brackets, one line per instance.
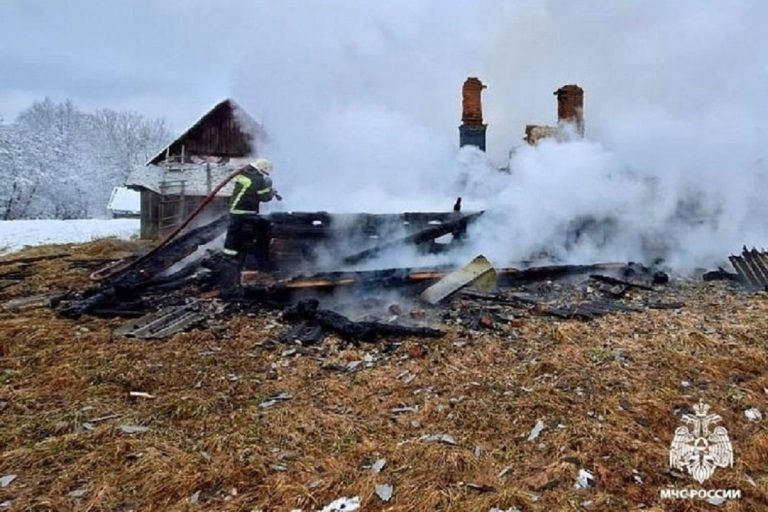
[16, 234]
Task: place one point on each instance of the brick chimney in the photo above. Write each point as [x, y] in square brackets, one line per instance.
[472, 129]
[570, 106]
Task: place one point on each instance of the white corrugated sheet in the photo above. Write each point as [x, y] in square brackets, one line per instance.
[124, 200]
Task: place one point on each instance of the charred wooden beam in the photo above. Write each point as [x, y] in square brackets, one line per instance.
[752, 267]
[386, 278]
[720, 275]
[350, 330]
[615, 281]
[304, 333]
[125, 283]
[457, 225]
[590, 310]
[175, 251]
[510, 299]
[514, 277]
[395, 277]
[99, 299]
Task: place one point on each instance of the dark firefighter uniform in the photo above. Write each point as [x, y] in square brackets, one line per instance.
[247, 230]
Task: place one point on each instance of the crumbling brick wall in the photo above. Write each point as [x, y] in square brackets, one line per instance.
[534, 133]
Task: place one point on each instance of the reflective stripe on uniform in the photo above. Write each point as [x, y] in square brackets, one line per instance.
[264, 191]
[243, 212]
[246, 183]
[229, 252]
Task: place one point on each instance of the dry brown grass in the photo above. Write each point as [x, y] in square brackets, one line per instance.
[606, 389]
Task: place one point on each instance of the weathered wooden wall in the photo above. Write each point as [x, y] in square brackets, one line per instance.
[151, 212]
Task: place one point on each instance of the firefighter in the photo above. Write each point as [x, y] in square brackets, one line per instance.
[247, 229]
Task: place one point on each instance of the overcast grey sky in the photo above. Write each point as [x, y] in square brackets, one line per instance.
[292, 61]
[169, 58]
[175, 58]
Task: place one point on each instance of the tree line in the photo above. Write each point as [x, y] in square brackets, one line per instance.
[57, 161]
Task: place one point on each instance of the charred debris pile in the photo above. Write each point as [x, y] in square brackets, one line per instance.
[179, 285]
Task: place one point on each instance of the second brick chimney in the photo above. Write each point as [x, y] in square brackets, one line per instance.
[570, 106]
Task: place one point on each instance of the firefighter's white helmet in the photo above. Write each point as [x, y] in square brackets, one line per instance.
[262, 165]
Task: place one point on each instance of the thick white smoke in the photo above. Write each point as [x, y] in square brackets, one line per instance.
[362, 103]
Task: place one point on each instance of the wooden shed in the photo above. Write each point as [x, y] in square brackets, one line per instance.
[181, 175]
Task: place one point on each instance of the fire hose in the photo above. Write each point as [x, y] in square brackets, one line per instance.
[123, 265]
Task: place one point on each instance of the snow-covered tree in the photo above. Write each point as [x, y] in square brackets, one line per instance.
[60, 162]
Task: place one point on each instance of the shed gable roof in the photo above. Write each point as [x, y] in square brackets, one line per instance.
[225, 131]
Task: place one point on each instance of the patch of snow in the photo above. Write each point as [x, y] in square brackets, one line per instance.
[17, 234]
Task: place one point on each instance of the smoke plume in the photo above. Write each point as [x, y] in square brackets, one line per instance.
[362, 104]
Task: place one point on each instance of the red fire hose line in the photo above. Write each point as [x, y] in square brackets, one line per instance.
[183, 225]
[192, 215]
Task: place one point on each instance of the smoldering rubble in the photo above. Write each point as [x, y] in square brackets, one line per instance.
[165, 291]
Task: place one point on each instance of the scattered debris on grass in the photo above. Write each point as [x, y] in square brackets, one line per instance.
[133, 429]
[377, 466]
[439, 438]
[275, 399]
[501, 366]
[384, 492]
[585, 479]
[536, 430]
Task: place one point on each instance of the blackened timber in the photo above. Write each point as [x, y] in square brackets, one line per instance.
[172, 253]
[720, 275]
[101, 299]
[513, 299]
[385, 278]
[368, 331]
[752, 267]
[426, 235]
[513, 277]
[305, 333]
[614, 281]
[590, 310]
[395, 277]
[123, 285]
[350, 330]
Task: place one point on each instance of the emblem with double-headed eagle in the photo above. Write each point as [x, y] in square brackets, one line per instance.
[703, 448]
